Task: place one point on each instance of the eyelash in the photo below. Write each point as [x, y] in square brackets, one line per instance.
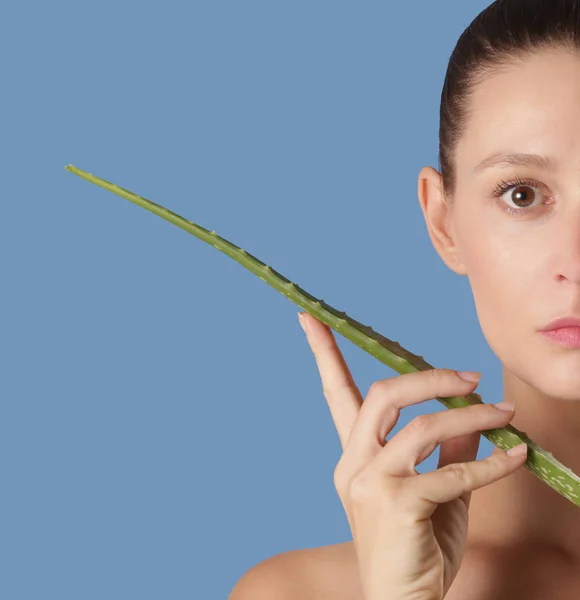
[505, 186]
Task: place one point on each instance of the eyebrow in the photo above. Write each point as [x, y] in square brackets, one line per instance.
[502, 159]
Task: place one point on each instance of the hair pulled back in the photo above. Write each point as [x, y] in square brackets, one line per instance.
[505, 32]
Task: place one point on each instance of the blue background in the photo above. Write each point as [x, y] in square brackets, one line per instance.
[163, 426]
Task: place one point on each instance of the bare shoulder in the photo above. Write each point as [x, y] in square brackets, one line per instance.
[321, 573]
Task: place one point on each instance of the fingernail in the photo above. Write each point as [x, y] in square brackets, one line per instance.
[472, 376]
[504, 405]
[518, 450]
[302, 323]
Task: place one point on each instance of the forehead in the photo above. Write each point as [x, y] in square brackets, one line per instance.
[530, 106]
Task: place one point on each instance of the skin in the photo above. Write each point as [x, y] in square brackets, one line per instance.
[524, 271]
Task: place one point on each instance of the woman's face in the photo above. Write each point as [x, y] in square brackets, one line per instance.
[523, 267]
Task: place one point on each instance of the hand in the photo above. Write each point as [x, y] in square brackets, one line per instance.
[409, 529]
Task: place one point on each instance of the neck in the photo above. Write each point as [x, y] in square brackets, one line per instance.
[520, 510]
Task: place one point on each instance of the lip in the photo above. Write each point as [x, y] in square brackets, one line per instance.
[565, 336]
[562, 322]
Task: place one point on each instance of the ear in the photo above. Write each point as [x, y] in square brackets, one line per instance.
[437, 213]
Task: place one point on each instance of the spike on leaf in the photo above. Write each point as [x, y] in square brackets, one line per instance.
[539, 461]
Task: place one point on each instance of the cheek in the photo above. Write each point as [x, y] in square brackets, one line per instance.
[505, 313]
[503, 276]
[502, 257]
[507, 265]
[497, 297]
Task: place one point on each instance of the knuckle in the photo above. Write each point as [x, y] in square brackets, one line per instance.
[372, 487]
[380, 387]
[361, 489]
[357, 491]
[421, 424]
[437, 377]
[461, 472]
[340, 478]
[443, 374]
[446, 373]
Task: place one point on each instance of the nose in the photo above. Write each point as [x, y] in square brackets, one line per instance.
[568, 245]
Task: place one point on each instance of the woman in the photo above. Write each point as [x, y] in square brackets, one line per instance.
[505, 211]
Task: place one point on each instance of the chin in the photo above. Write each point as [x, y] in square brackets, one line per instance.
[560, 382]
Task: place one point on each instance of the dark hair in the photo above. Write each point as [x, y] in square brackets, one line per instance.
[507, 30]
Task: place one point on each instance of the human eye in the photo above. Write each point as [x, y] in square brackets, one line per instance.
[522, 195]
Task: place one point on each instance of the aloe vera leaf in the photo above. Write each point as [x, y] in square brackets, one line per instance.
[540, 462]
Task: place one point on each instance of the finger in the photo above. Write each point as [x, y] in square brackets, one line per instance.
[342, 395]
[381, 408]
[460, 449]
[424, 492]
[416, 441]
